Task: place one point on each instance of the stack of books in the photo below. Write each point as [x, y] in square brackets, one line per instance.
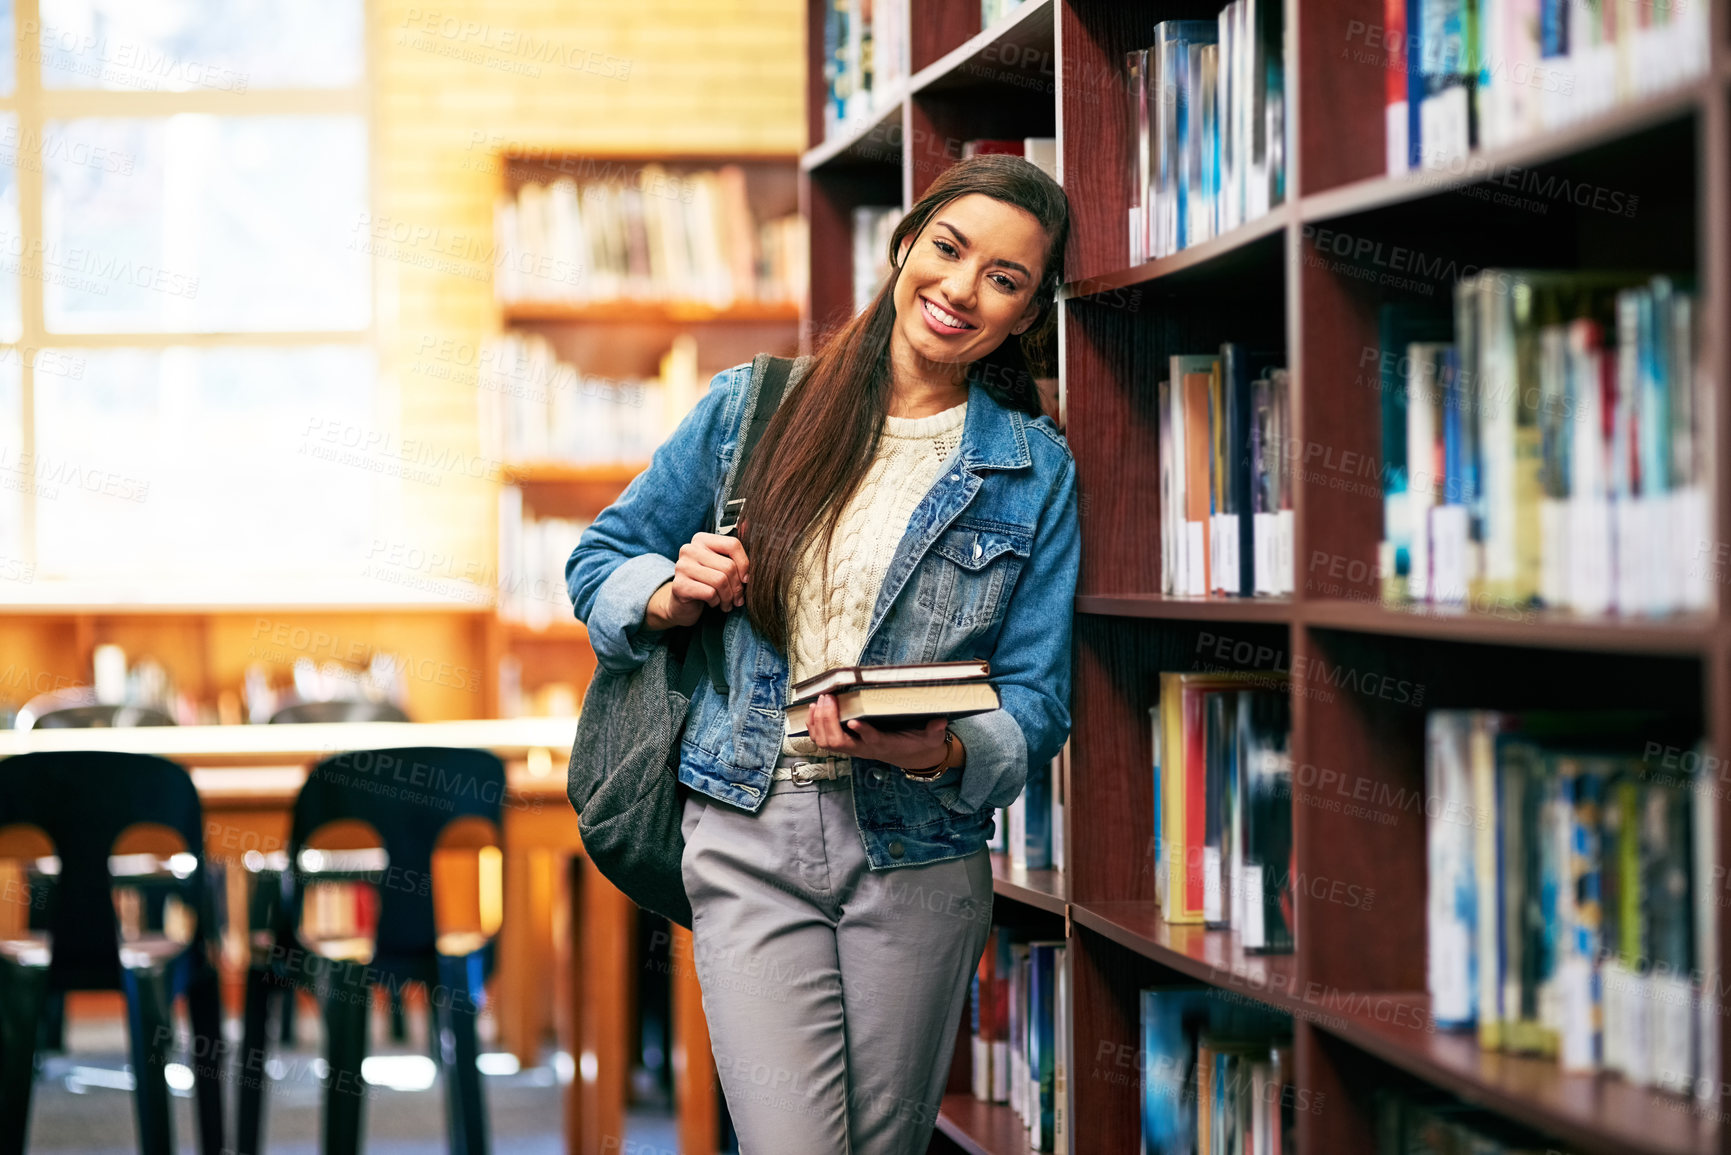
[535, 407]
[865, 52]
[1217, 1075]
[662, 236]
[1207, 126]
[1468, 74]
[1545, 448]
[1571, 909]
[894, 697]
[1226, 517]
[1223, 806]
[1019, 1006]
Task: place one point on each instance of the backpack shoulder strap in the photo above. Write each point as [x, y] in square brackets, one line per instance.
[772, 374]
[706, 654]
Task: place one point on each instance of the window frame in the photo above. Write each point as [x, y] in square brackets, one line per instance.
[33, 106]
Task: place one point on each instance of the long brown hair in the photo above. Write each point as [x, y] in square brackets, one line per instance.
[822, 439]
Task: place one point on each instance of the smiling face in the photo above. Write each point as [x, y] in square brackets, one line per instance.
[968, 281]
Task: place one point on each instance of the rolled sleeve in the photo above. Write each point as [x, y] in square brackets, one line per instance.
[997, 761]
[1030, 663]
[616, 618]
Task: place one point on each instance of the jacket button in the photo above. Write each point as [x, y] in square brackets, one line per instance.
[895, 849]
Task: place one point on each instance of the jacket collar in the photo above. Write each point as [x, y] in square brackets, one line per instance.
[993, 437]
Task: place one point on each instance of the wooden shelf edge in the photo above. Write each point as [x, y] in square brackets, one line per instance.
[649, 311]
[1013, 29]
[1184, 260]
[1684, 635]
[834, 149]
[1626, 1123]
[569, 473]
[1552, 145]
[1042, 889]
[1271, 979]
[981, 1128]
[1186, 609]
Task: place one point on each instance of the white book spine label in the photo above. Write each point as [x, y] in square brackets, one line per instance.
[1253, 933]
[1213, 909]
[1285, 521]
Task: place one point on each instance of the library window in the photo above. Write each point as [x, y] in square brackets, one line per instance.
[185, 301]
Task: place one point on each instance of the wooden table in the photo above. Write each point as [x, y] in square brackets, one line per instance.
[556, 906]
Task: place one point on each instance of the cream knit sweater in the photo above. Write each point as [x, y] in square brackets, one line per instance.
[831, 599]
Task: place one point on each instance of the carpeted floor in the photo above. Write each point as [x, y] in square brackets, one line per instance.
[83, 1103]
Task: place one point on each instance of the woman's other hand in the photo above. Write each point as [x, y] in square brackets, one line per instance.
[712, 570]
[908, 749]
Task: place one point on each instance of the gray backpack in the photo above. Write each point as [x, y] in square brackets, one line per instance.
[624, 773]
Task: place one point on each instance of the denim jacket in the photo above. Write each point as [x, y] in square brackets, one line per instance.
[985, 569]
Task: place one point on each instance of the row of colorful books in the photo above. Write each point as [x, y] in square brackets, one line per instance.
[661, 236]
[865, 53]
[535, 407]
[1226, 518]
[1545, 445]
[1424, 1121]
[1468, 74]
[1019, 1009]
[532, 555]
[1207, 123]
[1570, 909]
[1223, 805]
[1030, 831]
[1217, 1075]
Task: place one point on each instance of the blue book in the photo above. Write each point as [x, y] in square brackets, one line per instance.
[1043, 961]
[1037, 800]
[1173, 1019]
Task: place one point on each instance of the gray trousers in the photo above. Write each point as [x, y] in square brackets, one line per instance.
[833, 992]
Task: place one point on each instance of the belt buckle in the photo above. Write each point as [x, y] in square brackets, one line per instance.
[801, 773]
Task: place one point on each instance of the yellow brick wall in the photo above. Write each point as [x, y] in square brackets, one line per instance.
[456, 82]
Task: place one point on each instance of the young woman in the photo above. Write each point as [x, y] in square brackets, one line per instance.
[906, 503]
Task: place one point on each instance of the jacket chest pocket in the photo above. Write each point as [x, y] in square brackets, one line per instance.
[968, 574]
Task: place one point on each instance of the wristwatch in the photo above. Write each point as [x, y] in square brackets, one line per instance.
[930, 772]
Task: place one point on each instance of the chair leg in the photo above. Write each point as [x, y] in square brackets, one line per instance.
[346, 997]
[399, 1021]
[204, 1009]
[51, 1027]
[255, 1049]
[286, 1028]
[151, 1030]
[454, 1016]
[23, 990]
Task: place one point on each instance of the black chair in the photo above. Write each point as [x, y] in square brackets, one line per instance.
[342, 711]
[357, 711]
[76, 708]
[134, 923]
[373, 787]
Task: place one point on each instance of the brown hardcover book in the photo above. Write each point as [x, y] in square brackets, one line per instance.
[902, 707]
[908, 674]
[1198, 452]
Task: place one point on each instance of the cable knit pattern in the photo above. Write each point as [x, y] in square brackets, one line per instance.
[831, 600]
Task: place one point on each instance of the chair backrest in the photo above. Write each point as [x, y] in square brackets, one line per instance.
[84, 800]
[408, 795]
[76, 708]
[361, 711]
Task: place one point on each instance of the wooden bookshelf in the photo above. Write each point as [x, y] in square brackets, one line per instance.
[622, 339]
[1350, 986]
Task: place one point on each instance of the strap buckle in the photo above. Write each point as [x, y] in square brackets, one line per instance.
[731, 511]
[802, 773]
